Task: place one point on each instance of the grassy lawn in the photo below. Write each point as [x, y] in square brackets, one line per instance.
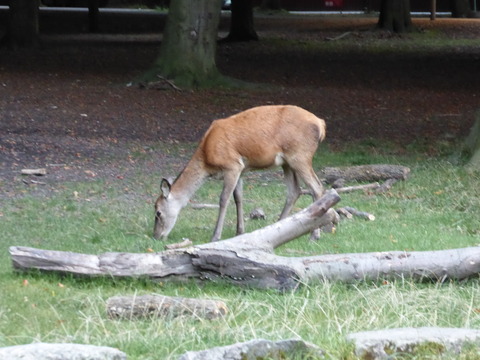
[436, 208]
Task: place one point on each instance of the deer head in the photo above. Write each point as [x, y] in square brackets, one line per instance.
[167, 208]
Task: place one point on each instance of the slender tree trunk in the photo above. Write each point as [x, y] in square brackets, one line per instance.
[93, 13]
[22, 29]
[241, 24]
[187, 53]
[395, 16]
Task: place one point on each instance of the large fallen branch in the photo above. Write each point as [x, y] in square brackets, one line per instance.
[249, 259]
[365, 173]
[230, 256]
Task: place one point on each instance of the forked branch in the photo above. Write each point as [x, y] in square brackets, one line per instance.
[249, 259]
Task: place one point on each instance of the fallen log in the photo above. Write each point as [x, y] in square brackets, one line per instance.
[342, 212]
[386, 186]
[197, 261]
[258, 268]
[365, 173]
[129, 307]
[347, 189]
[37, 172]
[181, 244]
[249, 259]
[262, 269]
[362, 214]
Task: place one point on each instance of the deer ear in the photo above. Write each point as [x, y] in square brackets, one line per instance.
[165, 187]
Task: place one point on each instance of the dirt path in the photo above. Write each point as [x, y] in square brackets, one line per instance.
[67, 105]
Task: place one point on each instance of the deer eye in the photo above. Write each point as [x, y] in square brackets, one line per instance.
[158, 214]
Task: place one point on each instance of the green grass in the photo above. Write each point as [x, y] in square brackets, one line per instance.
[436, 208]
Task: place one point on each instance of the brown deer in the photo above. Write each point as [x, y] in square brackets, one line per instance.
[258, 138]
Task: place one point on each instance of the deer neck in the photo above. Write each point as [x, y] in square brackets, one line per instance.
[189, 181]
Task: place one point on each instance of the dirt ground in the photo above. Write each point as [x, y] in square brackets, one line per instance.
[70, 103]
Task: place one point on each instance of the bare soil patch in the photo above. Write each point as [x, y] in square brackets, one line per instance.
[67, 106]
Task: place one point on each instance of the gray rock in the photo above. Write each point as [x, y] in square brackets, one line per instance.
[258, 214]
[377, 345]
[44, 351]
[258, 349]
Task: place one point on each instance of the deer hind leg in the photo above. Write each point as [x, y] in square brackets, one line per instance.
[293, 190]
[311, 180]
[230, 180]
[238, 197]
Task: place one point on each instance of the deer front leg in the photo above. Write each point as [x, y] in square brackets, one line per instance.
[238, 197]
[230, 180]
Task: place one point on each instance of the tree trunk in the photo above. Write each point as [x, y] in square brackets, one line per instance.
[23, 27]
[93, 13]
[395, 16]
[187, 53]
[460, 8]
[241, 23]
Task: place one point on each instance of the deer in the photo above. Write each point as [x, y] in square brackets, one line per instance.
[258, 138]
